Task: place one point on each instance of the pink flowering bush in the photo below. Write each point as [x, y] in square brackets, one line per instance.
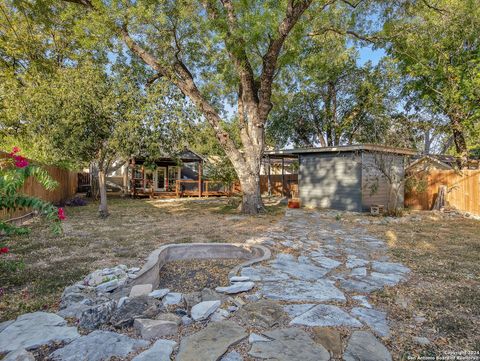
[14, 171]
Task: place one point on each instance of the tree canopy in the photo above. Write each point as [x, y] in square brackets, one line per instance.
[93, 79]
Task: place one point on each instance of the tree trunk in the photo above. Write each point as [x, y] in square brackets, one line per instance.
[94, 188]
[103, 207]
[252, 200]
[459, 140]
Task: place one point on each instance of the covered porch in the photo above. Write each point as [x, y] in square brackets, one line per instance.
[172, 177]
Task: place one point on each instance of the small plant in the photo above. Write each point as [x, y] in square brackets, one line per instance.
[338, 217]
[14, 171]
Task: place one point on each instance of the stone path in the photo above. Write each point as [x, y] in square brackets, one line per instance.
[318, 266]
[332, 264]
[294, 307]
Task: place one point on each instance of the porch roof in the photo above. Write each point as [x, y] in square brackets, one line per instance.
[185, 156]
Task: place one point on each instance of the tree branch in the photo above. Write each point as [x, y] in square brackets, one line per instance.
[235, 45]
[435, 8]
[370, 39]
[86, 3]
[293, 13]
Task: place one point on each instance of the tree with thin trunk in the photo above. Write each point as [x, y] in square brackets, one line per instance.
[217, 52]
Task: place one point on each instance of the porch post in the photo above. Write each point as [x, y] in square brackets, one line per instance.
[133, 177]
[166, 179]
[269, 180]
[283, 177]
[200, 178]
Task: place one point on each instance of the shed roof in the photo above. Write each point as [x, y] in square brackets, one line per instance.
[343, 148]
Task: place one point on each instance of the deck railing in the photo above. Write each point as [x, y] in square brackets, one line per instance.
[208, 188]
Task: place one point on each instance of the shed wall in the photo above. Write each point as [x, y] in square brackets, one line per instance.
[331, 180]
[375, 186]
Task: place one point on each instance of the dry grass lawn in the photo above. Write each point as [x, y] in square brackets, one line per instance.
[134, 229]
[444, 292]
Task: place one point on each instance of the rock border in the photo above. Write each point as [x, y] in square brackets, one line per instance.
[150, 272]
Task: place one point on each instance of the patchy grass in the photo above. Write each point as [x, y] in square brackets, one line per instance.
[134, 229]
[444, 255]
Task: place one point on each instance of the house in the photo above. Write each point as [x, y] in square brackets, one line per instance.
[352, 177]
[177, 176]
[425, 162]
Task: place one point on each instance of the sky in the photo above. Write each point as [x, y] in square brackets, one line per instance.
[367, 53]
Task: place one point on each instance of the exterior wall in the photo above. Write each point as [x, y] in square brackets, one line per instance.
[375, 186]
[331, 180]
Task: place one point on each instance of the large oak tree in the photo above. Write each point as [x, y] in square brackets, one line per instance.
[222, 54]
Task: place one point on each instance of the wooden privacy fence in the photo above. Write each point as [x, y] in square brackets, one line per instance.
[463, 190]
[67, 187]
[276, 184]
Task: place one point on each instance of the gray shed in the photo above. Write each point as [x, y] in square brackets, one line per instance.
[351, 177]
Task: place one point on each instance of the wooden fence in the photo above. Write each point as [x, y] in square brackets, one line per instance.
[291, 184]
[463, 190]
[67, 187]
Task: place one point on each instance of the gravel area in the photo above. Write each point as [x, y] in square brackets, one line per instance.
[195, 275]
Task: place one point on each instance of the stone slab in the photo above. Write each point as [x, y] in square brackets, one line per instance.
[98, 346]
[19, 355]
[262, 314]
[265, 274]
[376, 320]
[353, 285]
[358, 272]
[297, 309]
[363, 300]
[236, 287]
[141, 290]
[210, 343]
[318, 291]
[159, 293]
[356, 262]
[173, 298]
[32, 330]
[202, 310]
[232, 356]
[149, 329]
[289, 344]
[325, 262]
[389, 267]
[160, 351]
[326, 315]
[362, 345]
[255, 337]
[239, 279]
[286, 263]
